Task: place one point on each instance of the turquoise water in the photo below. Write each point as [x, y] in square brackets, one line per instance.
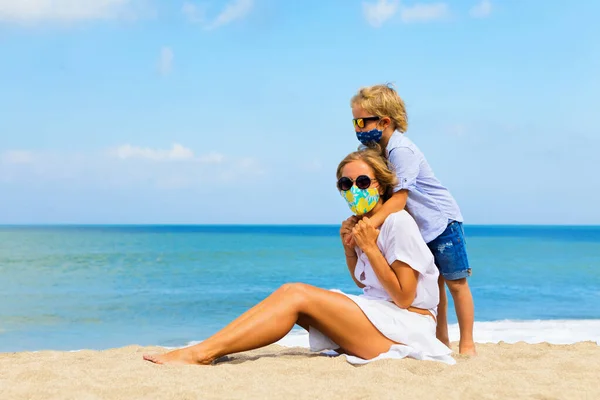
[70, 287]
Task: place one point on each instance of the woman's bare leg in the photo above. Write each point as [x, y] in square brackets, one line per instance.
[334, 314]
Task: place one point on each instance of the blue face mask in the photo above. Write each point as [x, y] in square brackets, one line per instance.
[374, 135]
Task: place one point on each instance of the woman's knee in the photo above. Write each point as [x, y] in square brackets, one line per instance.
[293, 287]
[298, 293]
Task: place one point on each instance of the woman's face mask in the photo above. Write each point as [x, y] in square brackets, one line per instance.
[361, 198]
[361, 201]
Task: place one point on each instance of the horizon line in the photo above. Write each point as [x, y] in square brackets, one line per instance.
[69, 224]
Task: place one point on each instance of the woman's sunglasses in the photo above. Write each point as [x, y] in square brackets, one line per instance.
[361, 122]
[362, 182]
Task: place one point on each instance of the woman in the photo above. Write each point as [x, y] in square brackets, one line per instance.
[395, 315]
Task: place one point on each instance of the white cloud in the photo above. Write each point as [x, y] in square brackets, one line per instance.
[246, 166]
[312, 166]
[383, 11]
[482, 9]
[211, 158]
[165, 61]
[378, 13]
[233, 11]
[177, 152]
[425, 12]
[458, 130]
[193, 13]
[27, 11]
[250, 164]
[17, 157]
[176, 167]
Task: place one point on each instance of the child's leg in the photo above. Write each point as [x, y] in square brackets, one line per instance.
[465, 312]
[441, 331]
[450, 255]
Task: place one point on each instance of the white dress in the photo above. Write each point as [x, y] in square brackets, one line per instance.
[399, 239]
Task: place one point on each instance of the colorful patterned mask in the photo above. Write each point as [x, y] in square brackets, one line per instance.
[361, 201]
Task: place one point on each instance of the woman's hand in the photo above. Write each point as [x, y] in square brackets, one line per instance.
[346, 234]
[365, 234]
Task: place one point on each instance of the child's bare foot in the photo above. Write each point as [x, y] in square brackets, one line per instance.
[182, 356]
[467, 349]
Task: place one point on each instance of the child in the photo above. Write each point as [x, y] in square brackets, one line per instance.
[380, 117]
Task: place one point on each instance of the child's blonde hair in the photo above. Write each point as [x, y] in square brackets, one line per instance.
[380, 166]
[383, 101]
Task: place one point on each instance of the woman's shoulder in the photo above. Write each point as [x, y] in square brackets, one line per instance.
[401, 240]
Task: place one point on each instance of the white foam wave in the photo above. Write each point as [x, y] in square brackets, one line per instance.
[538, 331]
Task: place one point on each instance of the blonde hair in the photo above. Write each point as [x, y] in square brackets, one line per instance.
[373, 158]
[383, 101]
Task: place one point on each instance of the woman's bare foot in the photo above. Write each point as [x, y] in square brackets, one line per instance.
[181, 356]
[467, 349]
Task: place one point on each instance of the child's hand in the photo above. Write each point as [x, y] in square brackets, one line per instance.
[365, 234]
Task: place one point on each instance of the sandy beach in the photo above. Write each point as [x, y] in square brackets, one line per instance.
[535, 371]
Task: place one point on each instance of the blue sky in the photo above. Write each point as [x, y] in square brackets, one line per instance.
[237, 111]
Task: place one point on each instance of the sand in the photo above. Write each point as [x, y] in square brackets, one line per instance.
[501, 371]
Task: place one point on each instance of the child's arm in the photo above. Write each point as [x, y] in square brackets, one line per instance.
[394, 204]
[406, 166]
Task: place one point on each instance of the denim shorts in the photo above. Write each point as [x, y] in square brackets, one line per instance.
[450, 252]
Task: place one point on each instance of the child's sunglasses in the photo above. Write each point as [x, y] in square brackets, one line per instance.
[362, 182]
[361, 122]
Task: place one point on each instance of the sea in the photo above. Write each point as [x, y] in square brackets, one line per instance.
[99, 287]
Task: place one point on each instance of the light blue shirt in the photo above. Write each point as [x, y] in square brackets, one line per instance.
[429, 202]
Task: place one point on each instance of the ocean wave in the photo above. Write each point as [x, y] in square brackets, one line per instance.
[561, 332]
[535, 331]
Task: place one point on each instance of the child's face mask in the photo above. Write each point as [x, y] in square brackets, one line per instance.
[374, 135]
